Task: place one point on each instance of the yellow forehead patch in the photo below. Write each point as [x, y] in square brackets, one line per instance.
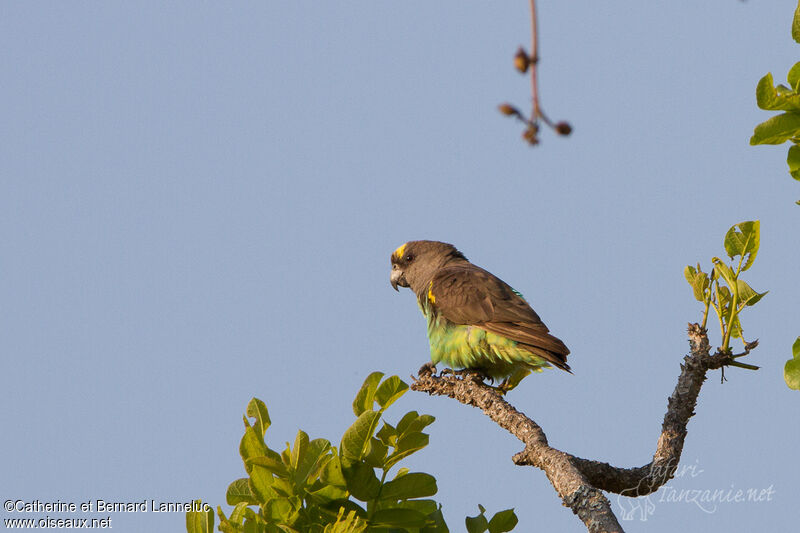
[399, 252]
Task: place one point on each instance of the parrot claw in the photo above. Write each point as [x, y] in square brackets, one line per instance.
[427, 368]
[475, 372]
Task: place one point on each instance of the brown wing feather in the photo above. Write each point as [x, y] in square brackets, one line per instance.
[467, 294]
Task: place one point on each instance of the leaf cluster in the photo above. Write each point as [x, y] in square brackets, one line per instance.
[313, 486]
[785, 126]
[722, 289]
[499, 523]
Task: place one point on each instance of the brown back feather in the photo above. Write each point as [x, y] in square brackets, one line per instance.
[467, 294]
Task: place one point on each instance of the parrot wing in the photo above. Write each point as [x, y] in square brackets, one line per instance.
[469, 295]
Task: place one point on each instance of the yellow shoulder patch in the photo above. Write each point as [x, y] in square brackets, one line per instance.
[431, 297]
[400, 250]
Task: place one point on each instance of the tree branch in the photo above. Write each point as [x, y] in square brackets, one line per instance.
[579, 481]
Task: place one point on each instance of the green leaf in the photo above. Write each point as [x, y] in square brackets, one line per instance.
[744, 242]
[794, 76]
[282, 510]
[724, 298]
[735, 327]
[299, 451]
[412, 442]
[425, 507]
[503, 521]
[258, 410]
[224, 526]
[698, 280]
[765, 92]
[286, 455]
[405, 422]
[796, 24]
[477, 524]
[316, 455]
[261, 481]
[331, 473]
[791, 370]
[777, 129]
[438, 524]
[413, 422]
[401, 472]
[366, 394]
[387, 434]
[389, 391]
[406, 445]
[253, 523]
[376, 454]
[357, 437]
[306, 457]
[238, 513]
[284, 487]
[347, 505]
[275, 467]
[724, 270]
[252, 445]
[200, 521]
[362, 482]
[776, 98]
[747, 296]
[239, 491]
[327, 494]
[791, 374]
[241, 513]
[398, 518]
[793, 160]
[414, 485]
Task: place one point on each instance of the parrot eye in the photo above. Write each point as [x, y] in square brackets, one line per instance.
[409, 258]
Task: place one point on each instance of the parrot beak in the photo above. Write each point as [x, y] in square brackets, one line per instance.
[397, 278]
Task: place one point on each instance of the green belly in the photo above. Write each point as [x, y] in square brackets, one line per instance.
[459, 346]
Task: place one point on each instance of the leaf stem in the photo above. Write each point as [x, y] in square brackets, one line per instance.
[718, 308]
[705, 312]
[378, 496]
[733, 312]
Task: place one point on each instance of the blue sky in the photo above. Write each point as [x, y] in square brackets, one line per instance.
[198, 203]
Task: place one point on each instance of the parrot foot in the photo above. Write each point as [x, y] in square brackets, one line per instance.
[470, 372]
[478, 375]
[427, 368]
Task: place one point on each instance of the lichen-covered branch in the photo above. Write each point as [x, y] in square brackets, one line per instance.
[574, 489]
[579, 481]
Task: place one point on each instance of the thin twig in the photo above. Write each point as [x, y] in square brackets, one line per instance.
[536, 111]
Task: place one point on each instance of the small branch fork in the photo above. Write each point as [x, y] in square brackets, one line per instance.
[524, 62]
[580, 482]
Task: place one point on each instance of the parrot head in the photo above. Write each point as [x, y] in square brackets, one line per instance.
[415, 263]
